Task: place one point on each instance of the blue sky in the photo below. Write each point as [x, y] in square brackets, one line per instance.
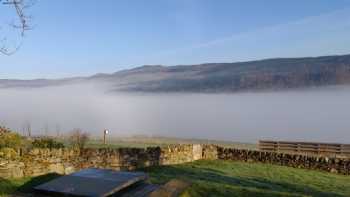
[80, 37]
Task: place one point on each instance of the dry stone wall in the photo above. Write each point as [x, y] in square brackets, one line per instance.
[34, 162]
[334, 165]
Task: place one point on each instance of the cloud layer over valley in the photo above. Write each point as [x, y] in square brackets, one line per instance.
[319, 114]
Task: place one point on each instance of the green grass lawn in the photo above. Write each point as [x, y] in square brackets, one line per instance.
[226, 178]
[23, 185]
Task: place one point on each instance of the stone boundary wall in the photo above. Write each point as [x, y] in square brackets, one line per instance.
[35, 162]
[329, 164]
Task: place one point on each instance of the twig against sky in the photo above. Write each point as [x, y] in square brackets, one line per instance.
[21, 23]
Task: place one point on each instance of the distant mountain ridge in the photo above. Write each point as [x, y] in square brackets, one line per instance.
[268, 74]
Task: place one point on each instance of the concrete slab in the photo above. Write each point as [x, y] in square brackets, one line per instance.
[92, 183]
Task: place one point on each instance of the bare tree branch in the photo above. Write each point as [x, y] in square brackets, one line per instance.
[22, 24]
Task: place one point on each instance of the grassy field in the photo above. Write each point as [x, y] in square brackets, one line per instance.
[24, 185]
[226, 178]
[143, 142]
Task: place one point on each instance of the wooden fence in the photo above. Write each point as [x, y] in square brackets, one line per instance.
[308, 148]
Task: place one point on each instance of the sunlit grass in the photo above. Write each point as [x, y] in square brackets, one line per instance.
[226, 178]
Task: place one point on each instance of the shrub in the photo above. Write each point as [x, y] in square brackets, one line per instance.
[47, 143]
[10, 140]
[4, 130]
[78, 138]
[8, 153]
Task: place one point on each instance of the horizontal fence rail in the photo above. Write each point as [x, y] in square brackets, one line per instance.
[308, 148]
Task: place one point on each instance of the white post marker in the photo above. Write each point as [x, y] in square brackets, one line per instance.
[105, 132]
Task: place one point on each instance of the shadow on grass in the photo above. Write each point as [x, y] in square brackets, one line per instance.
[28, 186]
[209, 182]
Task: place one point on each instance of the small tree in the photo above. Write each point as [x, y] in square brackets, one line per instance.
[9, 139]
[4, 130]
[78, 138]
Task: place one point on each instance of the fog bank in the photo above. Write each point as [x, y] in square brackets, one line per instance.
[312, 115]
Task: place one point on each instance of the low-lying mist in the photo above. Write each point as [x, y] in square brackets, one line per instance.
[312, 115]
